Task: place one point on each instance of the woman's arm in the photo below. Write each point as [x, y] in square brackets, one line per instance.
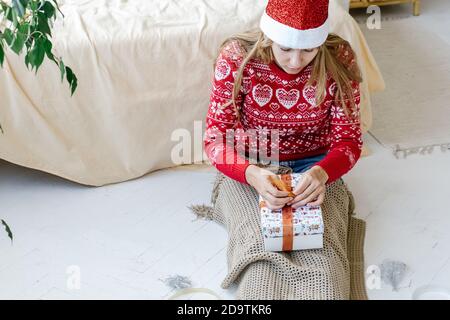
[346, 139]
[218, 120]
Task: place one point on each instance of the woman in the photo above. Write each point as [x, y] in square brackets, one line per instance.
[293, 77]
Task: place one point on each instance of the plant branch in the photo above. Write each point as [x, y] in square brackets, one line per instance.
[26, 24]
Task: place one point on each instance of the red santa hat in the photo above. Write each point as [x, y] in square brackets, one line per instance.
[296, 24]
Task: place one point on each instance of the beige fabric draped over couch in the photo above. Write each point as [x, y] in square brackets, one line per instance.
[144, 69]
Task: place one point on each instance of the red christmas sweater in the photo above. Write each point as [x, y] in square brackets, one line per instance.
[269, 99]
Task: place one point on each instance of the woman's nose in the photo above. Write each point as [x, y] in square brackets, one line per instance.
[296, 61]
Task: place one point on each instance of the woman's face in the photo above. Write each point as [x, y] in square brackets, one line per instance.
[293, 60]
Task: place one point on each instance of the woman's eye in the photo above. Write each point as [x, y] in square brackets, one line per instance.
[283, 49]
[309, 50]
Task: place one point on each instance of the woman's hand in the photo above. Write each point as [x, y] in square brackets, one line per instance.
[311, 189]
[258, 178]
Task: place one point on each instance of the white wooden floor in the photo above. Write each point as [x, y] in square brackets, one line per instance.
[124, 239]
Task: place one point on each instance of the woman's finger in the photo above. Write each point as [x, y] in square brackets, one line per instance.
[273, 190]
[319, 200]
[309, 190]
[305, 181]
[274, 201]
[271, 207]
[308, 199]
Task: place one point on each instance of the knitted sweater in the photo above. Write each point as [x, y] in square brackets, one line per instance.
[270, 98]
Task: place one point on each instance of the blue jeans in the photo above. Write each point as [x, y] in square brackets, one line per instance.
[301, 165]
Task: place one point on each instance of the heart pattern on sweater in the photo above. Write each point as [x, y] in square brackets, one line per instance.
[262, 94]
[274, 106]
[288, 98]
[309, 93]
[222, 71]
[303, 107]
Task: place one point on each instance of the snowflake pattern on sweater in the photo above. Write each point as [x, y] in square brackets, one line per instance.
[273, 100]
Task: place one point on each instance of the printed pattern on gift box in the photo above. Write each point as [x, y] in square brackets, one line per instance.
[306, 220]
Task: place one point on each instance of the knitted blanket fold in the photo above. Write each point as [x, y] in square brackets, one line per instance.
[334, 272]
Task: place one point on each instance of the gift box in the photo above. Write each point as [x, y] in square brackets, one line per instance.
[290, 229]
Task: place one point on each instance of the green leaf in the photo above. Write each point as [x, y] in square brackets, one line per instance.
[24, 28]
[29, 43]
[69, 74]
[37, 54]
[43, 24]
[18, 43]
[49, 9]
[8, 12]
[73, 85]
[9, 36]
[33, 5]
[48, 50]
[27, 60]
[62, 69]
[2, 55]
[72, 79]
[8, 230]
[57, 7]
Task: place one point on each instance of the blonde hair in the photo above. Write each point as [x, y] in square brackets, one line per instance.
[258, 46]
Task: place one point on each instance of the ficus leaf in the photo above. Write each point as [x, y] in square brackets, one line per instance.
[43, 24]
[27, 60]
[72, 79]
[48, 50]
[21, 37]
[73, 85]
[33, 5]
[8, 12]
[18, 43]
[2, 55]
[47, 46]
[9, 36]
[37, 53]
[57, 7]
[24, 28]
[8, 230]
[49, 9]
[62, 69]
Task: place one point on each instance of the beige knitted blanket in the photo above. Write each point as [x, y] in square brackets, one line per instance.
[334, 272]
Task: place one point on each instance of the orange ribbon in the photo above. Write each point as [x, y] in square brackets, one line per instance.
[287, 213]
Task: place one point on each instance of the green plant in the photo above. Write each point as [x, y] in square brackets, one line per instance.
[26, 25]
[7, 229]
